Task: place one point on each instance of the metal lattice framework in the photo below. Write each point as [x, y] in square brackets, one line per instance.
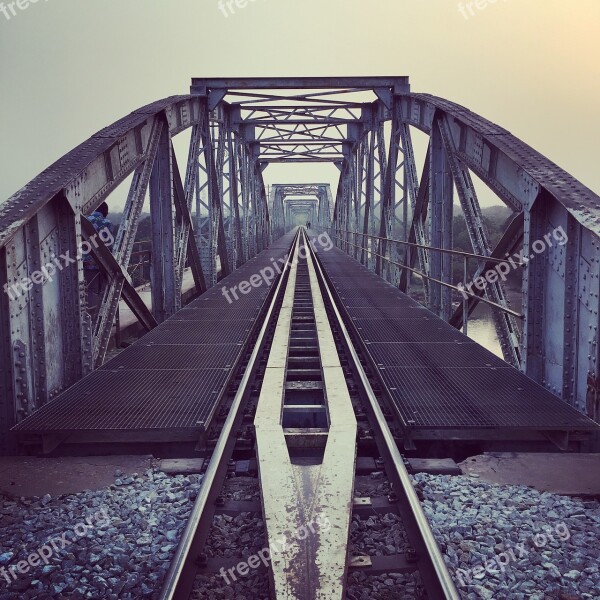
[214, 217]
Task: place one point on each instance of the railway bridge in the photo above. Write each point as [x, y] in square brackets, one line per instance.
[293, 341]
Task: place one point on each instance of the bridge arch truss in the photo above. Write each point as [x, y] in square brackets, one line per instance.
[215, 215]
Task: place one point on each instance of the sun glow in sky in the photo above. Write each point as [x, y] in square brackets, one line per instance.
[70, 67]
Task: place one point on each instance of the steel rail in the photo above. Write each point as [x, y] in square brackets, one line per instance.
[178, 583]
[443, 585]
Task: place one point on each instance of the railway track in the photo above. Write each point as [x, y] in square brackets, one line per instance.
[331, 505]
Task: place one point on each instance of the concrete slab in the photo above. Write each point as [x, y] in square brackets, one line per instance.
[568, 474]
[31, 476]
[304, 493]
[434, 466]
[181, 466]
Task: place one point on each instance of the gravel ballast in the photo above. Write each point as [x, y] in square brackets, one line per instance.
[114, 543]
[513, 542]
[507, 542]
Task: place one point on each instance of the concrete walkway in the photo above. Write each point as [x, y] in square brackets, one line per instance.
[31, 476]
[569, 474]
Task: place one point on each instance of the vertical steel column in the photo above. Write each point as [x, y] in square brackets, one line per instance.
[324, 213]
[440, 203]
[213, 230]
[234, 194]
[379, 169]
[75, 322]
[389, 205]
[189, 187]
[123, 245]
[261, 209]
[356, 134]
[533, 294]
[225, 165]
[369, 194]
[223, 222]
[279, 218]
[507, 327]
[188, 252]
[166, 299]
[418, 229]
[39, 299]
[586, 370]
[572, 314]
[561, 289]
[205, 230]
[8, 415]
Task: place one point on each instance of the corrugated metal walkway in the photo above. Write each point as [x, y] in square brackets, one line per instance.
[437, 377]
[170, 380]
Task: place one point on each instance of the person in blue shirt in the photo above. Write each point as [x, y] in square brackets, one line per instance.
[94, 279]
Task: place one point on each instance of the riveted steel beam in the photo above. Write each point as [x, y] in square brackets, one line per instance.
[507, 327]
[114, 271]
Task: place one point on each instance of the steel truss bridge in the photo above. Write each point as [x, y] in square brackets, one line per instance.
[216, 214]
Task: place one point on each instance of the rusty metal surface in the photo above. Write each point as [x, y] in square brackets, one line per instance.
[438, 377]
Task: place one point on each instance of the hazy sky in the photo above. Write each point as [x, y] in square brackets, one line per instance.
[70, 67]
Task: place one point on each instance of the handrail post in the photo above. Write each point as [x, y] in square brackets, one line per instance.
[465, 298]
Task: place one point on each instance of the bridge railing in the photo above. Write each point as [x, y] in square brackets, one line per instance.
[555, 338]
[463, 288]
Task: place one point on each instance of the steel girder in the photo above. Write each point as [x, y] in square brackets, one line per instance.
[560, 336]
[277, 211]
[123, 245]
[325, 207]
[418, 192]
[506, 324]
[46, 336]
[47, 339]
[163, 274]
[394, 203]
[440, 218]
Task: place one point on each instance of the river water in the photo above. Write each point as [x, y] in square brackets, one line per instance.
[481, 326]
[482, 330]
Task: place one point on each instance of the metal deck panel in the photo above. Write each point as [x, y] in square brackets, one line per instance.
[199, 332]
[438, 377]
[171, 378]
[132, 400]
[408, 330]
[245, 313]
[171, 356]
[476, 397]
[450, 355]
[389, 312]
